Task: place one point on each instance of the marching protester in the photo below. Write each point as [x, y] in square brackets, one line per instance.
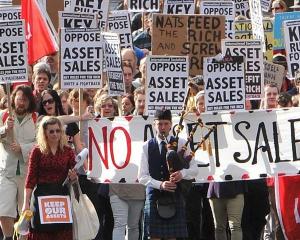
[17, 137]
[127, 105]
[50, 162]
[139, 101]
[154, 174]
[41, 79]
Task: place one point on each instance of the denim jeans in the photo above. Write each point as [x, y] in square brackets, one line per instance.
[126, 214]
[231, 209]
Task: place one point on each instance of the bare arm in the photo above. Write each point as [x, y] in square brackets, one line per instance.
[27, 198]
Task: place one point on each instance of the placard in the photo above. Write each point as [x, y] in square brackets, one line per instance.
[13, 48]
[246, 145]
[273, 73]
[278, 30]
[67, 5]
[254, 69]
[224, 84]
[92, 6]
[81, 58]
[167, 81]
[196, 36]
[292, 45]
[223, 8]
[257, 22]
[119, 22]
[77, 20]
[10, 13]
[179, 6]
[55, 209]
[112, 59]
[243, 30]
[143, 5]
[242, 8]
[266, 5]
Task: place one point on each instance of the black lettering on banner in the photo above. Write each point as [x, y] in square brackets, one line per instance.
[148, 127]
[266, 148]
[236, 155]
[143, 4]
[293, 138]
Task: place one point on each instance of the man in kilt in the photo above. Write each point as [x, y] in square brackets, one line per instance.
[154, 173]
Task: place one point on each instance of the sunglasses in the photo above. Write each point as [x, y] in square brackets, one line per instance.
[49, 101]
[54, 131]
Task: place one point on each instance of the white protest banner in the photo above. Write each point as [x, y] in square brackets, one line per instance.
[55, 209]
[273, 73]
[242, 8]
[143, 5]
[224, 84]
[254, 68]
[81, 58]
[245, 145]
[119, 22]
[292, 45]
[77, 20]
[223, 8]
[112, 59]
[92, 6]
[257, 22]
[179, 7]
[167, 81]
[265, 5]
[13, 49]
[10, 13]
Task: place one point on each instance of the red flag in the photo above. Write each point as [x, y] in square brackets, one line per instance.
[39, 37]
[288, 205]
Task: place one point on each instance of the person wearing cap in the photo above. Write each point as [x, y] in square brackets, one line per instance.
[154, 174]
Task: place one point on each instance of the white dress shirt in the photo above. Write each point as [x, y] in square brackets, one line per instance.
[143, 172]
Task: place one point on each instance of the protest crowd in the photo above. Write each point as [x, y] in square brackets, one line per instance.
[150, 119]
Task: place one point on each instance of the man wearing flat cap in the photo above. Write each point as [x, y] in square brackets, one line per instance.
[155, 175]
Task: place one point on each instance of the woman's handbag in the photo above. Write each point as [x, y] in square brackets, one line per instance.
[85, 219]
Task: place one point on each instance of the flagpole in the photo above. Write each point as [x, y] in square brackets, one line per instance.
[48, 20]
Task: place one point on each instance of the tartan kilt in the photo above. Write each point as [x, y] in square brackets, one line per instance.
[157, 227]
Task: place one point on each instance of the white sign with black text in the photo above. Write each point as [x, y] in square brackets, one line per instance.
[112, 59]
[119, 22]
[167, 81]
[10, 13]
[223, 8]
[179, 7]
[143, 5]
[13, 49]
[77, 20]
[292, 45]
[81, 58]
[224, 84]
[92, 6]
[252, 52]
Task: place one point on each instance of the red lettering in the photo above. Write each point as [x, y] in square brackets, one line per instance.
[92, 140]
[111, 146]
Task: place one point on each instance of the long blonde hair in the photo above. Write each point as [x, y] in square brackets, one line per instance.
[41, 134]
